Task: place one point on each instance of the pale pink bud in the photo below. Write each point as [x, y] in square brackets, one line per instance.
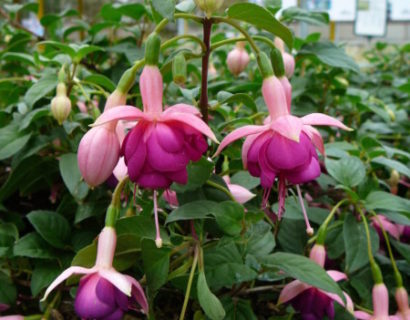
[380, 302]
[209, 6]
[402, 300]
[212, 71]
[288, 59]
[240, 193]
[237, 59]
[82, 106]
[12, 317]
[61, 104]
[318, 254]
[98, 153]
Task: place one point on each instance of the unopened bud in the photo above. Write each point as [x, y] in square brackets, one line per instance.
[61, 104]
[265, 65]
[277, 62]
[237, 59]
[179, 70]
[209, 6]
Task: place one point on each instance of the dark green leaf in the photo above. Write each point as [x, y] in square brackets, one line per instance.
[165, 8]
[132, 10]
[396, 165]
[238, 309]
[193, 210]
[303, 269]
[298, 14]
[72, 176]
[261, 18]
[40, 89]
[356, 243]
[8, 292]
[33, 246]
[244, 179]
[11, 140]
[52, 227]
[156, 264]
[349, 171]
[229, 217]
[208, 301]
[330, 54]
[43, 274]
[386, 201]
[101, 80]
[198, 173]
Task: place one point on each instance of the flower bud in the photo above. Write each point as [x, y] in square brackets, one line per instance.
[318, 254]
[402, 301]
[380, 297]
[179, 71]
[237, 59]
[115, 99]
[61, 104]
[152, 48]
[98, 154]
[209, 6]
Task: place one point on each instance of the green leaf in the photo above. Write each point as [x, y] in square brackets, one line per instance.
[349, 171]
[193, 210]
[186, 6]
[303, 269]
[227, 97]
[198, 173]
[298, 14]
[101, 80]
[402, 248]
[40, 89]
[19, 57]
[386, 201]
[225, 267]
[261, 18]
[356, 244]
[259, 239]
[330, 54]
[132, 10]
[8, 292]
[33, 246]
[209, 302]
[238, 309]
[52, 227]
[156, 264]
[72, 176]
[84, 50]
[165, 8]
[229, 217]
[32, 116]
[12, 141]
[244, 179]
[62, 46]
[43, 274]
[396, 165]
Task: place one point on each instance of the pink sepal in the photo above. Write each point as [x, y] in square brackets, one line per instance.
[288, 126]
[65, 275]
[182, 108]
[240, 133]
[129, 113]
[337, 275]
[190, 120]
[316, 137]
[117, 279]
[291, 290]
[138, 293]
[320, 119]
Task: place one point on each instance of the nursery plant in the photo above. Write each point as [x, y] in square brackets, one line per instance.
[234, 171]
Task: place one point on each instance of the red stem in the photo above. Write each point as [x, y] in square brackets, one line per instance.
[203, 101]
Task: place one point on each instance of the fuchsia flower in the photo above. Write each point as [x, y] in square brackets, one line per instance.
[380, 305]
[237, 59]
[288, 59]
[397, 231]
[12, 317]
[103, 292]
[160, 146]
[311, 302]
[284, 147]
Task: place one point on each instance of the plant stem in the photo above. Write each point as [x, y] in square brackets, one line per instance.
[399, 280]
[116, 197]
[189, 285]
[167, 43]
[203, 101]
[233, 40]
[220, 188]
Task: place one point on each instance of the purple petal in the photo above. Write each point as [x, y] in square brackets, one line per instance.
[309, 173]
[178, 176]
[105, 292]
[170, 139]
[116, 315]
[138, 294]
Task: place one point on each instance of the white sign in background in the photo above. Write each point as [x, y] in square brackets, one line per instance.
[371, 18]
[400, 10]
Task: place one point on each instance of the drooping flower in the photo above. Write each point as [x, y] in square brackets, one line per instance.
[237, 59]
[380, 305]
[288, 59]
[12, 317]
[159, 147]
[284, 147]
[311, 302]
[397, 231]
[103, 292]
